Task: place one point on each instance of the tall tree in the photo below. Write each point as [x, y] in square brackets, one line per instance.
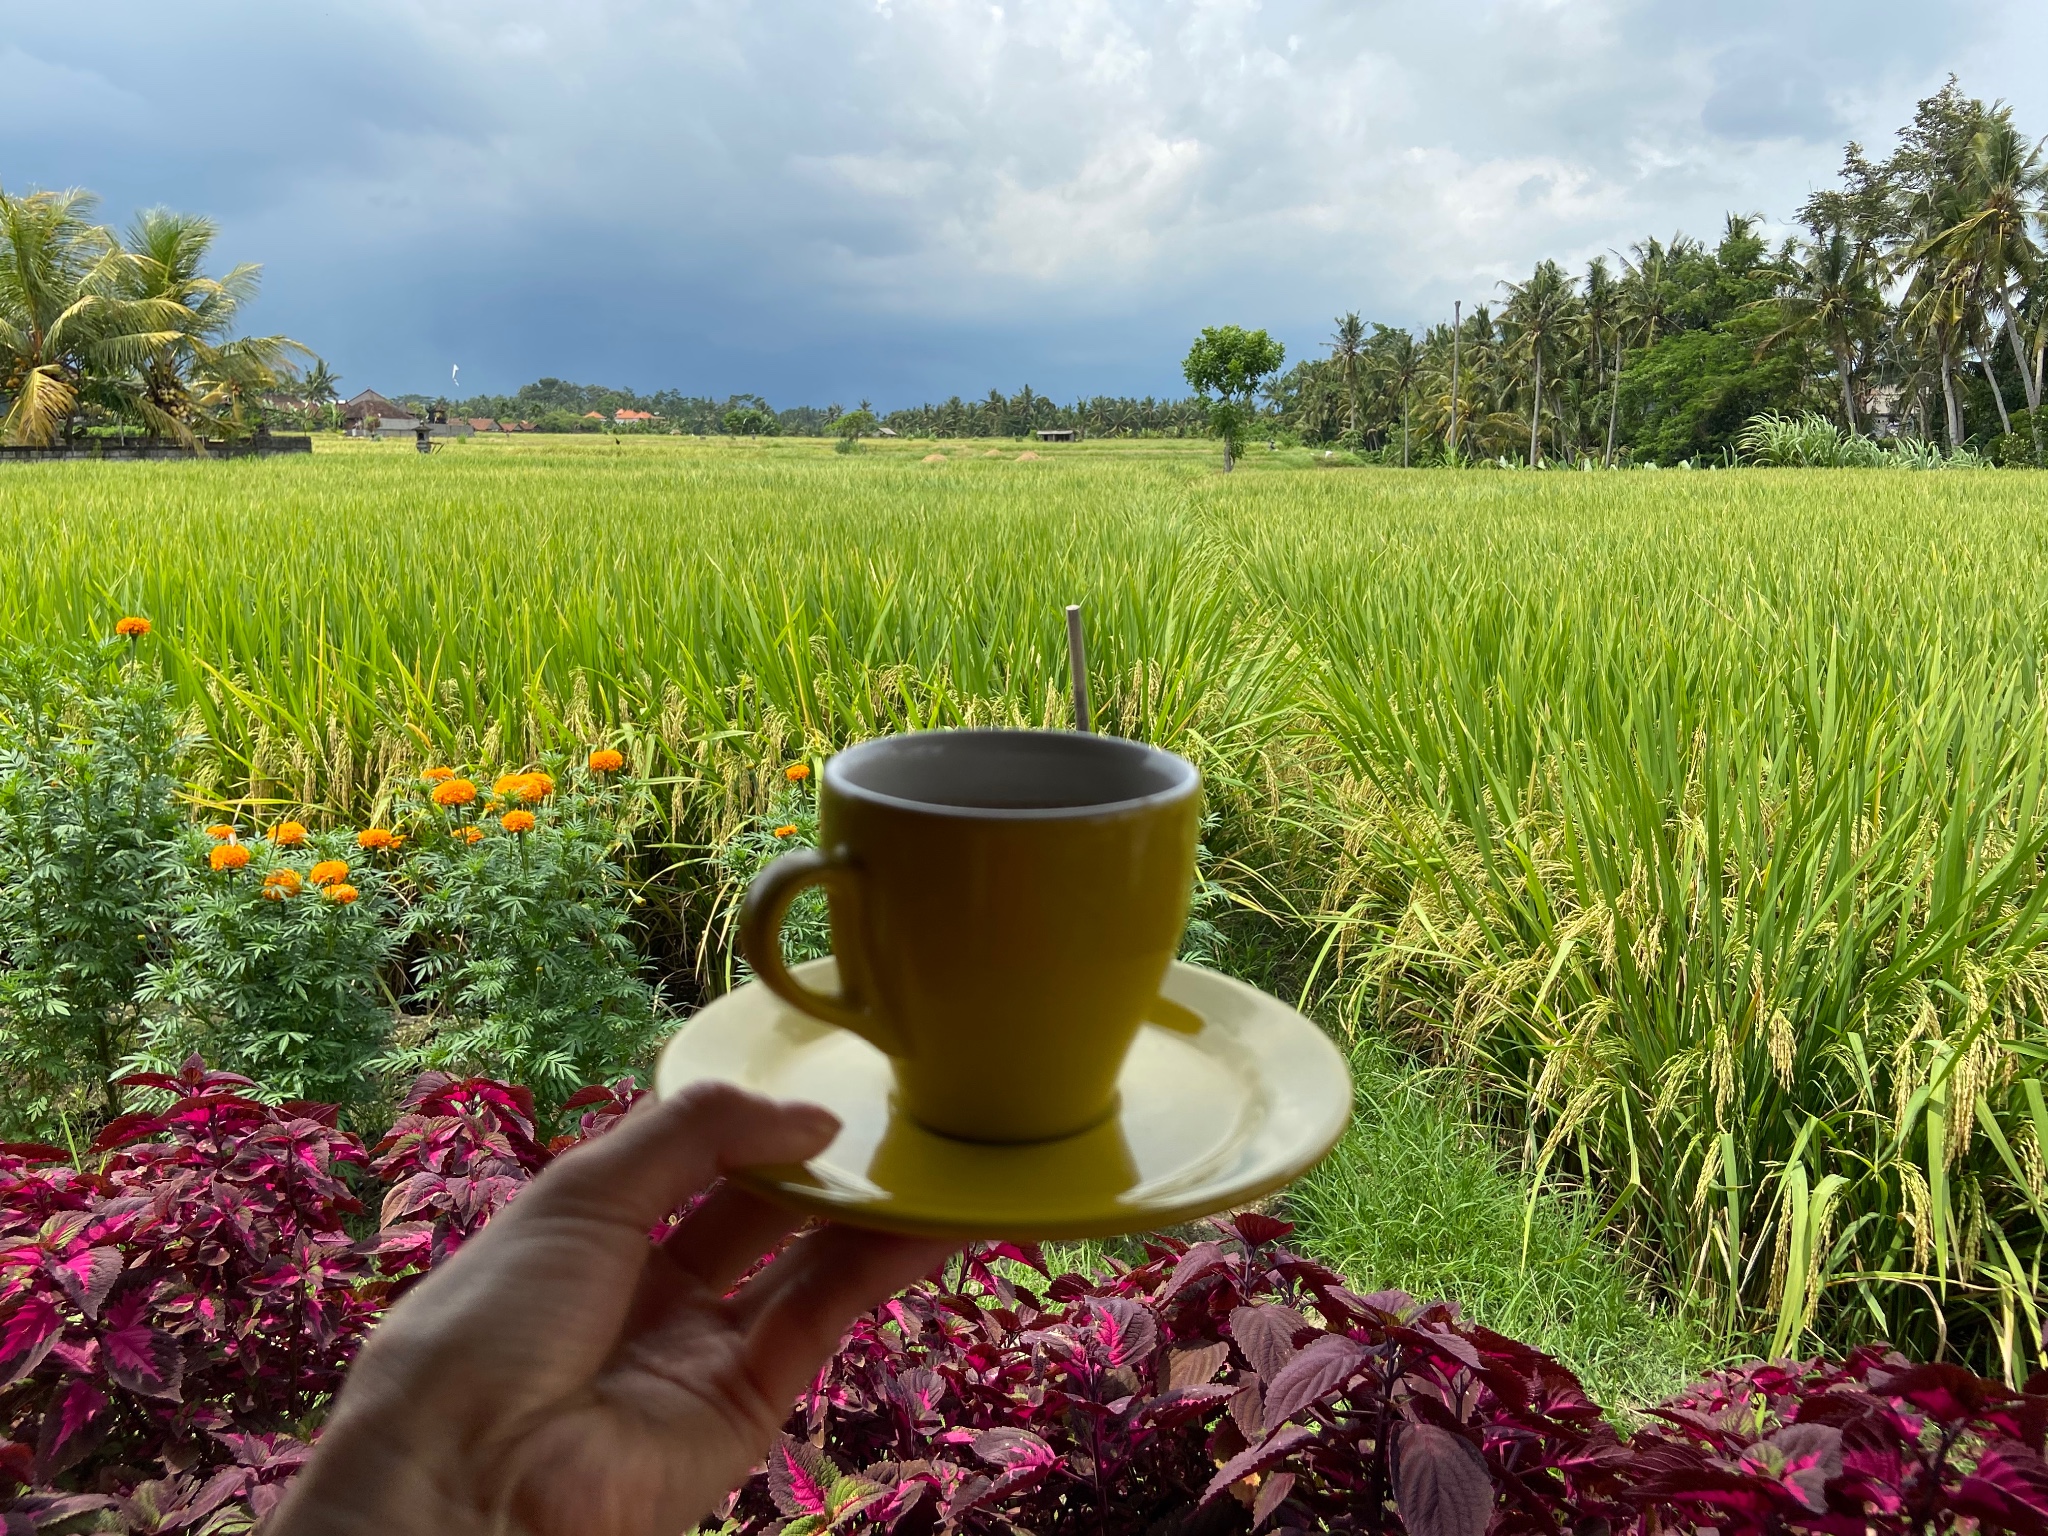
[1347, 345]
[204, 378]
[1396, 365]
[1831, 295]
[1231, 363]
[1542, 316]
[67, 314]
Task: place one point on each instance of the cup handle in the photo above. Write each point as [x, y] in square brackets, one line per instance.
[761, 913]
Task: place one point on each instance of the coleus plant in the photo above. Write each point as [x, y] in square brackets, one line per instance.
[176, 1307]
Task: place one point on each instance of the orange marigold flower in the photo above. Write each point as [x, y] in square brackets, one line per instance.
[538, 786]
[228, 856]
[785, 831]
[327, 871]
[374, 838]
[519, 821]
[131, 627]
[280, 883]
[506, 785]
[450, 792]
[605, 760]
[436, 775]
[288, 834]
[341, 893]
[796, 773]
[221, 830]
[469, 834]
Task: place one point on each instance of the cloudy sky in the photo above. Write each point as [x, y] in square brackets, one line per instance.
[902, 199]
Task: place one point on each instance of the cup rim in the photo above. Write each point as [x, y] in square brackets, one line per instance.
[1189, 779]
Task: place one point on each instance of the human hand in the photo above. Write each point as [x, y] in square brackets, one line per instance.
[563, 1375]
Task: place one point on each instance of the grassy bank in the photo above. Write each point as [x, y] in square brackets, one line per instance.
[1690, 821]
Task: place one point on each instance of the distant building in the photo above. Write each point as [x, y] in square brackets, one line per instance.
[369, 414]
[483, 424]
[593, 416]
[1883, 410]
[1055, 434]
[632, 418]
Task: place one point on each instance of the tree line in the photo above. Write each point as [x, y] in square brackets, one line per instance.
[1913, 303]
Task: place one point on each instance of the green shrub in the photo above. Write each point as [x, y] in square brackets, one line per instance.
[518, 917]
[89, 838]
[272, 975]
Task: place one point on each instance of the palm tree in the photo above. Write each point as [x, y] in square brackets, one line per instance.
[1832, 295]
[67, 318]
[1989, 246]
[1347, 345]
[1542, 316]
[1396, 365]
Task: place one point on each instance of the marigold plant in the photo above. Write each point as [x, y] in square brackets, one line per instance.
[280, 883]
[523, 786]
[222, 830]
[518, 821]
[341, 893]
[606, 760]
[468, 834]
[288, 834]
[796, 773]
[437, 775]
[228, 856]
[327, 871]
[787, 829]
[453, 792]
[132, 627]
[375, 838]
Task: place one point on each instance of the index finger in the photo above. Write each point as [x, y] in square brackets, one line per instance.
[663, 1153]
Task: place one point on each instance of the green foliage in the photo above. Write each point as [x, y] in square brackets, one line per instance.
[1692, 393]
[1809, 441]
[269, 976]
[854, 424]
[791, 821]
[524, 956]
[89, 843]
[1414, 1199]
[750, 421]
[1230, 361]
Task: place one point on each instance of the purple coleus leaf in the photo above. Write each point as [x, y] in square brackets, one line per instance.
[1265, 1335]
[1257, 1458]
[1126, 1332]
[68, 1425]
[2008, 1488]
[1441, 1485]
[1272, 1494]
[28, 1331]
[800, 1478]
[1202, 1259]
[137, 1356]
[86, 1276]
[1318, 1371]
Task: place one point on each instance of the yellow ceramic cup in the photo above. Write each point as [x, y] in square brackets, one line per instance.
[1004, 906]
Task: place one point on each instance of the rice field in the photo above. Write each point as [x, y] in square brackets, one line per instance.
[1693, 821]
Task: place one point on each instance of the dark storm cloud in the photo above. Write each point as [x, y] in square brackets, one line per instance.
[904, 199]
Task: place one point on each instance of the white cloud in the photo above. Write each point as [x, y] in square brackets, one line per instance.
[916, 196]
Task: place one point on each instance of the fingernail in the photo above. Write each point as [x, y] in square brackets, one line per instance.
[814, 1117]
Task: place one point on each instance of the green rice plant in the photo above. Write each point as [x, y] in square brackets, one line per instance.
[1724, 842]
[1692, 821]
